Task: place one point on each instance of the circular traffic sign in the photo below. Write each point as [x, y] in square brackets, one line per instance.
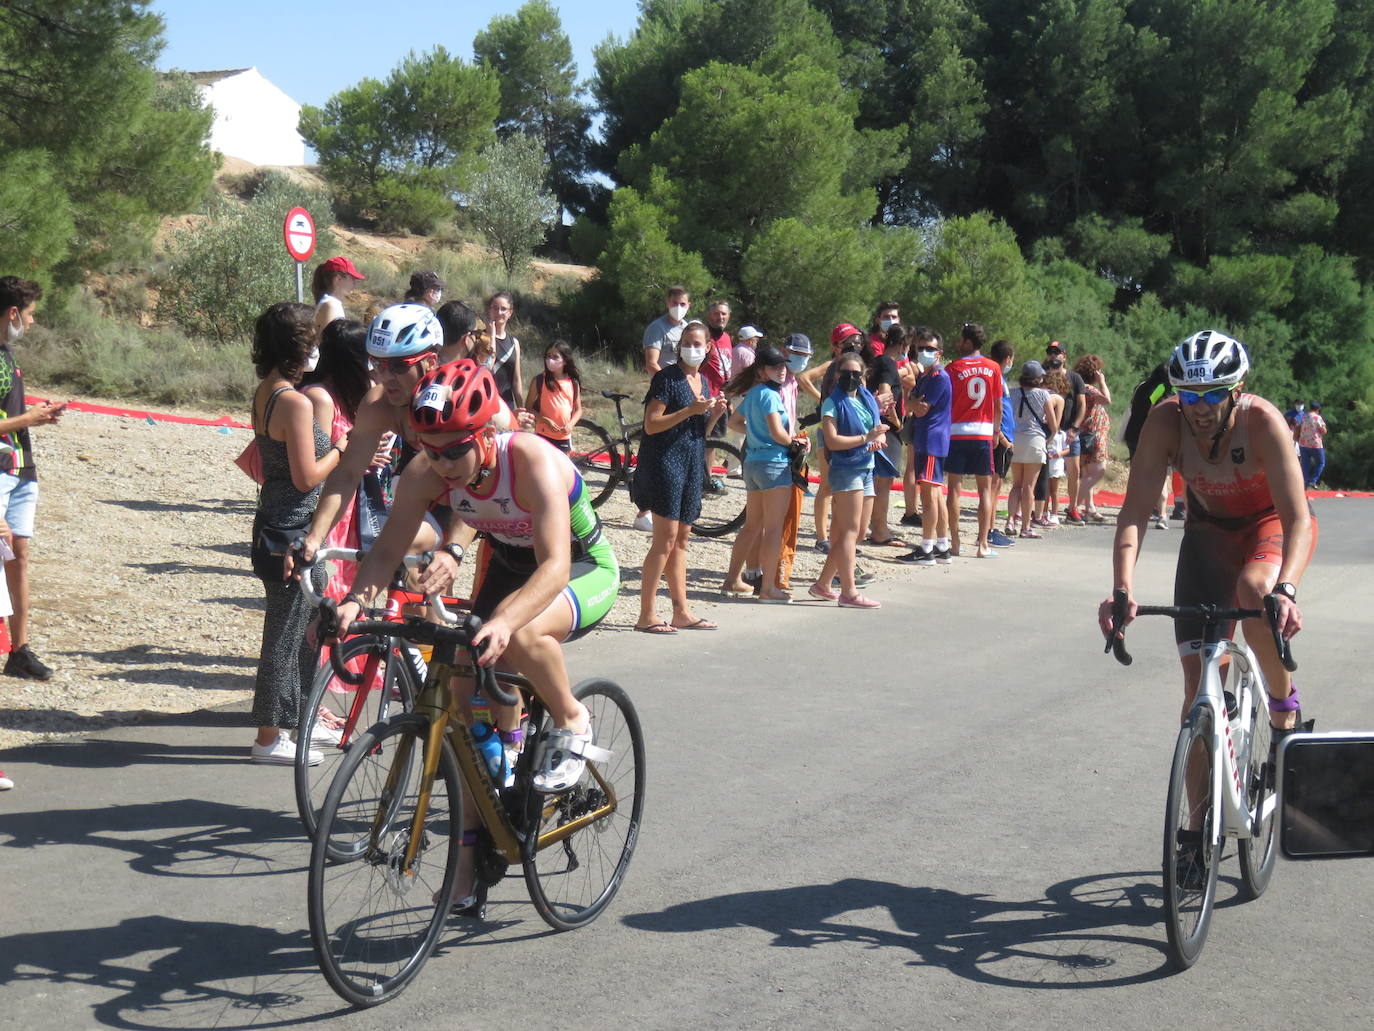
[299, 234]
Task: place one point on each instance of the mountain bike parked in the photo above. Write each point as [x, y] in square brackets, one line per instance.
[1222, 781]
[386, 856]
[604, 463]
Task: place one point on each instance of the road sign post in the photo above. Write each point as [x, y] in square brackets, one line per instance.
[299, 235]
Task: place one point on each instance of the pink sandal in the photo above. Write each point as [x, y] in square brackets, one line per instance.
[858, 601]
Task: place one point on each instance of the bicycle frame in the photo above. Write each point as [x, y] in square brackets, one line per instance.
[438, 702]
[1230, 810]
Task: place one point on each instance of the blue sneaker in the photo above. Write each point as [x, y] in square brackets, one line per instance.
[998, 539]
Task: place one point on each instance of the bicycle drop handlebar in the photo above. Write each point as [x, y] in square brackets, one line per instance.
[1210, 614]
[458, 628]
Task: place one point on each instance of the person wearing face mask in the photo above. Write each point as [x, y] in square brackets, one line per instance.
[852, 428]
[885, 317]
[715, 373]
[763, 418]
[908, 369]
[556, 396]
[297, 456]
[662, 335]
[669, 476]
[18, 475]
[929, 405]
[425, 288]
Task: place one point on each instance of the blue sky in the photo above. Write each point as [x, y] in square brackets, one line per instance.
[314, 50]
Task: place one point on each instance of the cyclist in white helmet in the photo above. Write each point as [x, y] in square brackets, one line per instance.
[1249, 530]
[403, 345]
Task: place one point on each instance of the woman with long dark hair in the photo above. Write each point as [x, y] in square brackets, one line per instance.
[297, 456]
[330, 285]
[555, 399]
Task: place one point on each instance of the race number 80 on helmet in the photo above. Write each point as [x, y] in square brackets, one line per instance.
[460, 397]
[403, 330]
[1207, 360]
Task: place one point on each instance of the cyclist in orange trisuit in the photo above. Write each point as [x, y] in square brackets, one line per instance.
[1249, 530]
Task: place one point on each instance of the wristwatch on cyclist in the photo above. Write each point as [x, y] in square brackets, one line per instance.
[456, 550]
[1287, 590]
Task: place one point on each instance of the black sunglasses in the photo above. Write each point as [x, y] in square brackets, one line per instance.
[452, 453]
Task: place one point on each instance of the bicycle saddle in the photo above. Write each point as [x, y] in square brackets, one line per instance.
[611, 395]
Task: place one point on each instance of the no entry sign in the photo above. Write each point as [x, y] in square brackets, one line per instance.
[299, 233]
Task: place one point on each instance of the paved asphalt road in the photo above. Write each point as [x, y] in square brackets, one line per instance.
[947, 813]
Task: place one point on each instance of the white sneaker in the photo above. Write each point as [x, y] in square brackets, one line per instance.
[5, 782]
[644, 522]
[328, 729]
[561, 769]
[1161, 523]
[282, 752]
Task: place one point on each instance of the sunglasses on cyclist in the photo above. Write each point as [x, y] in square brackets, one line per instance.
[395, 366]
[1211, 397]
[452, 453]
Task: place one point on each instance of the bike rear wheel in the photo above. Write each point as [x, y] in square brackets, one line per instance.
[571, 881]
[722, 511]
[597, 459]
[1192, 840]
[392, 688]
[372, 923]
[1258, 853]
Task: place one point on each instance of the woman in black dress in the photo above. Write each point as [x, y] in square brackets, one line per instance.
[669, 477]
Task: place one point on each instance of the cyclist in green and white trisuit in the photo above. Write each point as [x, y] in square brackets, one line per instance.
[550, 575]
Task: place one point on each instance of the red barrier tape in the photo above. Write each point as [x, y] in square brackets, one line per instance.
[138, 413]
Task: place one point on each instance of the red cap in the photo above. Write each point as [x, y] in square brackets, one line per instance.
[843, 332]
[343, 265]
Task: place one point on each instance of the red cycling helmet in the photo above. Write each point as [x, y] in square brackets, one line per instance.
[459, 397]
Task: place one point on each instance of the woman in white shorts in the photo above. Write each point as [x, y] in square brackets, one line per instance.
[1038, 414]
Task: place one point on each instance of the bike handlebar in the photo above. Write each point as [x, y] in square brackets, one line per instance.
[1210, 614]
[456, 627]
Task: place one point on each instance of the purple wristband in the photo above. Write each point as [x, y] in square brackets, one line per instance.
[1289, 704]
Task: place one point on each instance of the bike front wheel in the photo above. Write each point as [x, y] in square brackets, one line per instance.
[1259, 852]
[373, 922]
[722, 507]
[1192, 840]
[597, 459]
[589, 832]
[380, 684]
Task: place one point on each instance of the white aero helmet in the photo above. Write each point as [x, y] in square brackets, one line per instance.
[1208, 359]
[403, 330]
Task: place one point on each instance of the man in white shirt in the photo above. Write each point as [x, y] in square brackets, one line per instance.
[661, 335]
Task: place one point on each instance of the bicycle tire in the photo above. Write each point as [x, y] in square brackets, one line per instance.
[372, 926]
[397, 692]
[723, 512]
[597, 459]
[570, 882]
[1188, 908]
[1259, 853]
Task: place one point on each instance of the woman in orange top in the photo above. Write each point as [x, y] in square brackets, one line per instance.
[555, 396]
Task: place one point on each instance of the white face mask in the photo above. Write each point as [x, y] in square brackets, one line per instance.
[438, 296]
[312, 360]
[797, 362]
[692, 356]
[14, 332]
[925, 358]
[887, 324]
[678, 312]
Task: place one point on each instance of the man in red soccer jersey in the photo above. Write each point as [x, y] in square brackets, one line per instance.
[975, 413]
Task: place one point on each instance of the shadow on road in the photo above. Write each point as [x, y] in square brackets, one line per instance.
[1084, 933]
[185, 837]
[208, 974]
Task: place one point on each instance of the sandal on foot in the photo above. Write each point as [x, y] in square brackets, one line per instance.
[821, 593]
[858, 601]
[656, 628]
[696, 624]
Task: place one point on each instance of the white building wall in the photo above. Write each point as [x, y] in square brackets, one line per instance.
[254, 120]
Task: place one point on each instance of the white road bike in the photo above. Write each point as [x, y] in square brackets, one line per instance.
[1222, 781]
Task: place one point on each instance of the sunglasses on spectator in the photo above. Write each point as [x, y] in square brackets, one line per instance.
[1211, 397]
[395, 366]
[452, 453]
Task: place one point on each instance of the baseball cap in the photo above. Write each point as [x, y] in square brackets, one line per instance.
[799, 342]
[843, 332]
[748, 333]
[342, 264]
[769, 355]
[1054, 347]
[427, 280]
[1032, 370]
